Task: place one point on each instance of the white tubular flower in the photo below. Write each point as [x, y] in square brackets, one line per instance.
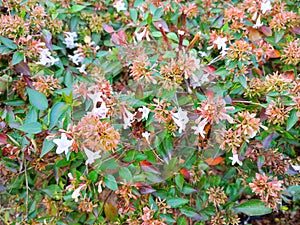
[101, 111]
[63, 144]
[46, 59]
[221, 44]
[200, 128]
[145, 112]
[82, 69]
[120, 5]
[235, 159]
[91, 156]
[77, 58]
[146, 135]
[128, 118]
[265, 6]
[70, 39]
[258, 23]
[181, 119]
[76, 192]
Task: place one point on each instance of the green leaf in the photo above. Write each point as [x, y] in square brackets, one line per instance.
[125, 173]
[156, 34]
[133, 14]
[17, 102]
[101, 54]
[17, 57]
[4, 50]
[31, 128]
[167, 218]
[109, 164]
[173, 36]
[294, 191]
[177, 202]
[62, 163]
[179, 181]
[279, 35]
[190, 212]
[37, 99]
[292, 120]
[110, 182]
[8, 43]
[222, 72]
[181, 221]
[68, 79]
[47, 147]
[243, 81]
[76, 8]
[153, 178]
[73, 23]
[56, 111]
[187, 189]
[138, 3]
[253, 207]
[93, 175]
[53, 191]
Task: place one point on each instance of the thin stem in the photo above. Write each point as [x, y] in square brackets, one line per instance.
[27, 186]
[247, 102]
[215, 60]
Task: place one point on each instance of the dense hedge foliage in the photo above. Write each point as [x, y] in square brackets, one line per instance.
[149, 112]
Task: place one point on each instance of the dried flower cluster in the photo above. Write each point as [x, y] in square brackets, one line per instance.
[96, 135]
[217, 196]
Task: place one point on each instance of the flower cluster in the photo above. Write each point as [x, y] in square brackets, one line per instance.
[269, 191]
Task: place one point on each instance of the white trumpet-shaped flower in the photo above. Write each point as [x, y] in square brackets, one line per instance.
[91, 156]
[181, 119]
[46, 59]
[200, 128]
[70, 39]
[265, 6]
[145, 112]
[235, 159]
[258, 23]
[63, 144]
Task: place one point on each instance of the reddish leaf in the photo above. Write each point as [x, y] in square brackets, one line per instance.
[210, 69]
[3, 139]
[184, 172]
[210, 94]
[289, 75]
[145, 163]
[258, 71]
[119, 38]
[108, 28]
[266, 142]
[115, 39]
[144, 189]
[122, 36]
[148, 167]
[214, 161]
[28, 81]
[263, 117]
[23, 68]
[266, 31]
[254, 34]
[296, 30]
[273, 54]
